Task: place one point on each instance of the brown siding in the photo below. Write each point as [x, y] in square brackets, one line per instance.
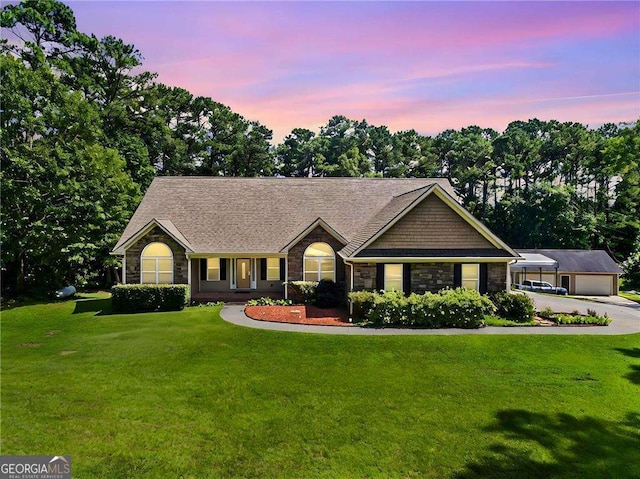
[432, 224]
[296, 254]
[180, 267]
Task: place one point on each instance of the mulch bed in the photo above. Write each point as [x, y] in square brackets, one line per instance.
[298, 314]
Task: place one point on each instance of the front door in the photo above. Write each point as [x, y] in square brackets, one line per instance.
[243, 272]
[564, 280]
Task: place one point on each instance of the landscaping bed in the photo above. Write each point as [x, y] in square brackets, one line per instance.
[298, 314]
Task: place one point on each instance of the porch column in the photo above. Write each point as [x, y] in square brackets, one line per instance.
[124, 268]
[286, 277]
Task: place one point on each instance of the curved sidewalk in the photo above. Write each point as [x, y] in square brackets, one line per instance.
[235, 314]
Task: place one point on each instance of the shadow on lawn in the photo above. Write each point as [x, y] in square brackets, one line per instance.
[634, 375]
[535, 445]
[101, 306]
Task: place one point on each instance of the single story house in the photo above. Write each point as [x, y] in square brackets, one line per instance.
[581, 272]
[224, 236]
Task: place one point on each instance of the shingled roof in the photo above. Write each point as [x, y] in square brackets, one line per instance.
[577, 260]
[263, 215]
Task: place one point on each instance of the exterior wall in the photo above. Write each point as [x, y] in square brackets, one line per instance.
[296, 255]
[364, 276]
[204, 286]
[180, 265]
[496, 277]
[430, 277]
[432, 224]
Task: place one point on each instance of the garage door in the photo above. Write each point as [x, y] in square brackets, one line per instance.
[596, 285]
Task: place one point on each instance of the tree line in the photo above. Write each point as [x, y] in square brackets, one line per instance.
[84, 130]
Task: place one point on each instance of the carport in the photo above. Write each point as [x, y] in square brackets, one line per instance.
[535, 266]
[581, 272]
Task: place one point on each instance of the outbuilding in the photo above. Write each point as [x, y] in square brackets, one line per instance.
[581, 272]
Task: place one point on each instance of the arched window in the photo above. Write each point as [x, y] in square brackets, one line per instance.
[319, 262]
[156, 263]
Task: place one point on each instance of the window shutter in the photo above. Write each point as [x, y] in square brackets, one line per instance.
[457, 275]
[406, 279]
[263, 269]
[223, 269]
[379, 276]
[203, 269]
[484, 278]
[282, 269]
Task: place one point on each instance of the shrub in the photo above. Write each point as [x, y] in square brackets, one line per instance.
[578, 319]
[361, 304]
[389, 308]
[457, 308]
[303, 291]
[134, 298]
[328, 294]
[514, 307]
[547, 313]
[462, 308]
[208, 304]
[269, 302]
[324, 294]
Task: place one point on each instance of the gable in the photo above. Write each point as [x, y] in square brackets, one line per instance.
[431, 224]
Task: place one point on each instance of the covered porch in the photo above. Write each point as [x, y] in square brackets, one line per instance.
[236, 278]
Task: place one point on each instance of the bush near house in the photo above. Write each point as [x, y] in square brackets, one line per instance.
[514, 307]
[324, 294]
[449, 308]
[135, 298]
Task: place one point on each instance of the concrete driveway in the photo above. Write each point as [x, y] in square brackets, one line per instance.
[625, 314]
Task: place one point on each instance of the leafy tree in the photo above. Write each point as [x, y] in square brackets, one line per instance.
[631, 267]
[66, 197]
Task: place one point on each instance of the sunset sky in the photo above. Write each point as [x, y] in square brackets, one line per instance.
[423, 65]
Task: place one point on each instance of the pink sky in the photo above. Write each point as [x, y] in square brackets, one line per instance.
[423, 65]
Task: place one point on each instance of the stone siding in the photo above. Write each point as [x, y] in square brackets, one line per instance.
[364, 276]
[431, 277]
[296, 254]
[496, 277]
[180, 266]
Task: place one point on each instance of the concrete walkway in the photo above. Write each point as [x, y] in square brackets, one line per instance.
[620, 325]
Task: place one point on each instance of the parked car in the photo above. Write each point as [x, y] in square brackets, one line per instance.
[541, 287]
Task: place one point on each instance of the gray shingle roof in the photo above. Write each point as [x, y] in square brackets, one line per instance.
[579, 261]
[262, 215]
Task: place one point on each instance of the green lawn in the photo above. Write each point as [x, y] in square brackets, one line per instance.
[185, 394]
[631, 296]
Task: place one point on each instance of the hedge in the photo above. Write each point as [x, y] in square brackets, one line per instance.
[449, 308]
[135, 298]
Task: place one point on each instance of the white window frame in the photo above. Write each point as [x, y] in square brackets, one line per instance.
[156, 259]
[273, 272]
[319, 259]
[475, 278]
[386, 288]
[210, 269]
